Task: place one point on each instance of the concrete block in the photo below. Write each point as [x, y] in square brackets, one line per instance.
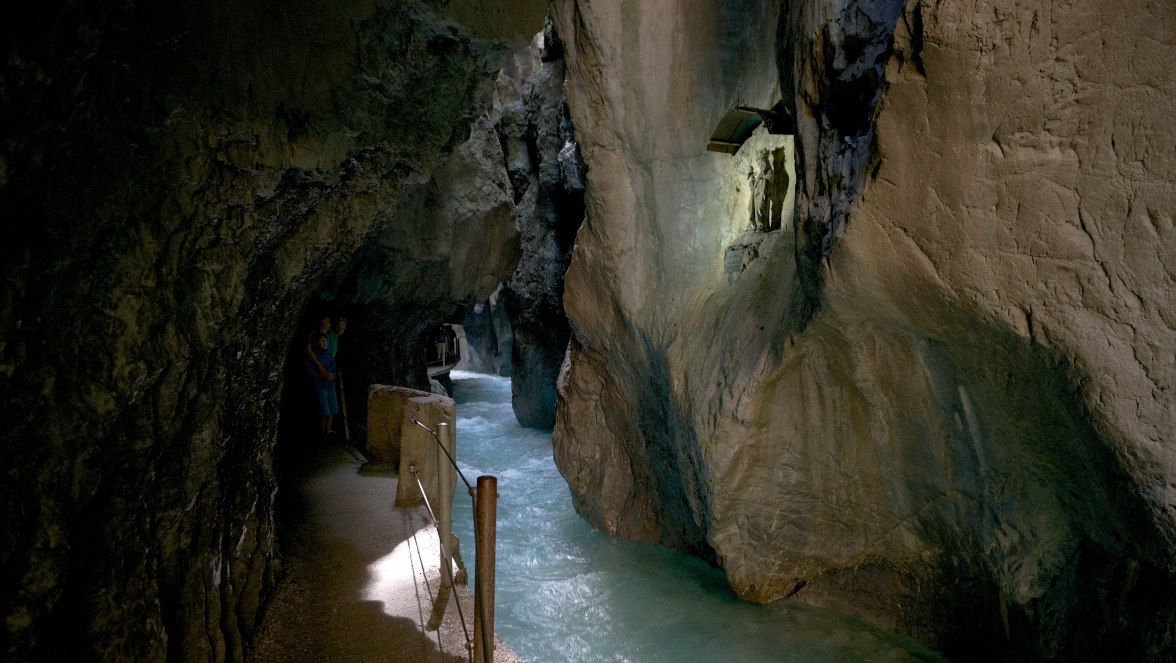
[385, 411]
[393, 437]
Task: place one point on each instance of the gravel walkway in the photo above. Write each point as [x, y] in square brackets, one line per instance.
[353, 586]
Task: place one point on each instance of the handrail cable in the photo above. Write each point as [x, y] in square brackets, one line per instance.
[487, 637]
[454, 462]
[448, 563]
[424, 574]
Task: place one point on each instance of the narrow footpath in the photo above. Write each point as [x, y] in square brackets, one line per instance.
[359, 574]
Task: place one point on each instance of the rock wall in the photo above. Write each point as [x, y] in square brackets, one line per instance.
[941, 396]
[450, 241]
[545, 167]
[486, 337]
[176, 185]
[646, 84]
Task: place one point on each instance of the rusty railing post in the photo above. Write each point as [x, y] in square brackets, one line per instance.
[485, 508]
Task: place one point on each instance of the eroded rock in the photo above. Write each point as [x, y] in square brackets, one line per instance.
[177, 185]
[486, 337]
[547, 172]
[451, 241]
[938, 398]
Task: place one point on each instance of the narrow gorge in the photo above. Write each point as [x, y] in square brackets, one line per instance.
[904, 351]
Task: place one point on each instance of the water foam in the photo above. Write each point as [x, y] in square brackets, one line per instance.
[566, 592]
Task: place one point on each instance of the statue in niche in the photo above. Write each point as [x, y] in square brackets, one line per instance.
[769, 190]
[759, 185]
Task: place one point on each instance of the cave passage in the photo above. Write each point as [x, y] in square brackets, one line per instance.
[566, 591]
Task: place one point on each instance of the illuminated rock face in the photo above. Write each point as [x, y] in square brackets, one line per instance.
[941, 396]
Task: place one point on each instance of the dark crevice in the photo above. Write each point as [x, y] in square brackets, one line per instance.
[832, 75]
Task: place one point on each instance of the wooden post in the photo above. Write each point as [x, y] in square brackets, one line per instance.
[485, 508]
[343, 406]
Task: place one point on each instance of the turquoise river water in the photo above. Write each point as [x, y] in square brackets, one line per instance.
[566, 592]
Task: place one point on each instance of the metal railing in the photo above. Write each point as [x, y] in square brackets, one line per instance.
[485, 502]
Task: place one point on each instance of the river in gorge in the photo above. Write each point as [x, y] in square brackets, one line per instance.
[566, 592]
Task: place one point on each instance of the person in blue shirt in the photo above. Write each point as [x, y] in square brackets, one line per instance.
[323, 328]
[322, 376]
[333, 345]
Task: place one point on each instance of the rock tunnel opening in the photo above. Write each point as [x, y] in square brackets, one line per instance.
[478, 251]
[489, 238]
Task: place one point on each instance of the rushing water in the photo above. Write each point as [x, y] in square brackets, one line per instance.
[566, 592]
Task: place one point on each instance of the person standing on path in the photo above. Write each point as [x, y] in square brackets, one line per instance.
[333, 345]
[333, 336]
[322, 377]
[311, 354]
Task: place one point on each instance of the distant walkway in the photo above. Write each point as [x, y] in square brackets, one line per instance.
[353, 587]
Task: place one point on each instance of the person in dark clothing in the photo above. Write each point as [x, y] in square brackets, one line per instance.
[311, 356]
[334, 334]
[322, 376]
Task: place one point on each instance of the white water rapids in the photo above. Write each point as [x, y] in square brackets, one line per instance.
[566, 592]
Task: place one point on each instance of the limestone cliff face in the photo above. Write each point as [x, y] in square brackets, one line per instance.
[487, 342]
[941, 395]
[546, 169]
[645, 88]
[176, 184]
